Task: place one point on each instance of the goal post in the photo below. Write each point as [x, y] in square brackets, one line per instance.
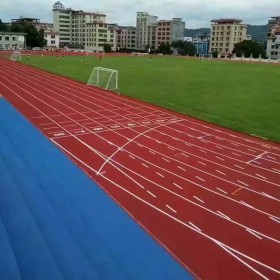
[16, 56]
[104, 78]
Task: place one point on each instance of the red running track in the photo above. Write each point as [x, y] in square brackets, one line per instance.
[209, 195]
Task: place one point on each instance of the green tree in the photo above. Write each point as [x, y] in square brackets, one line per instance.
[248, 47]
[107, 48]
[164, 48]
[3, 26]
[184, 48]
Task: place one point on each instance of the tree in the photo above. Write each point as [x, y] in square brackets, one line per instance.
[185, 48]
[164, 48]
[248, 48]
[107, 48]
[3, 26]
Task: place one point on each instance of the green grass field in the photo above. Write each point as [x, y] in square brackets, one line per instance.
[241, 96]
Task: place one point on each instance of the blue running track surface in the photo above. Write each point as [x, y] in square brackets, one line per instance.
[56, 223]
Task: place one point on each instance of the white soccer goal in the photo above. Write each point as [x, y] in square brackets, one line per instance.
[104, 78]
[207, 56]
[16, 56]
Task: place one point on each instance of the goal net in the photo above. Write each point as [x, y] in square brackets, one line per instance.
[16, 56]
[104, 78]
[207, 56]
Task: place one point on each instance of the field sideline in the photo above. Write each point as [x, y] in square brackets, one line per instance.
[241, 96]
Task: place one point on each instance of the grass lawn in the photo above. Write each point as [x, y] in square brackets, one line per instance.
[241, 96]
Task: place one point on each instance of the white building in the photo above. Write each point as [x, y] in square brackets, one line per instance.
[52, 39]
[12, 40]
[126, 37]
[82, 29]
[145, 30]
[273, 38]
[225, 33]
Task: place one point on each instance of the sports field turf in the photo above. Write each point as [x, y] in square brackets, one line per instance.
[241, 96]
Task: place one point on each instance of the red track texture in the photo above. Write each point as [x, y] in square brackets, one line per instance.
[209, 195]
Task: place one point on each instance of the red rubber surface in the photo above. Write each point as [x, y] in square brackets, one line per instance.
[209, 195]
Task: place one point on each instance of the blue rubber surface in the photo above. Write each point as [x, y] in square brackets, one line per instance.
[55, 223]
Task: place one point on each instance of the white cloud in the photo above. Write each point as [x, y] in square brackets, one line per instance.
[196, 13]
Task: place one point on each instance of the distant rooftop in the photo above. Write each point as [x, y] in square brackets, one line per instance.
[226, 20]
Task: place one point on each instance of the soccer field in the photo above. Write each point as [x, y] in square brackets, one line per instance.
[241, 96]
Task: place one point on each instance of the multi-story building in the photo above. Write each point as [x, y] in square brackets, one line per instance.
[201, 43]
[150, 32]
[82, 29]
[12, 40]
[145, 30]
[273, 38]
[169, 31]
[32, 21]
[225, 33]
[52, 39]
[126, 37]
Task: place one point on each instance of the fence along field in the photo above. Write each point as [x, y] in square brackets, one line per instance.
[239, 95]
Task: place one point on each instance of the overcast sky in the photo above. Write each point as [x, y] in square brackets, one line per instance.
[196, 13]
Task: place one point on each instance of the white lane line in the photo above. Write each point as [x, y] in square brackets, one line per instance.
[277, 170]
[159, 174]
[275, 220]
[261, 176]
[176, 185]
[151, 194]
[269, 196]
[131, 156]
[219, 158]
[250, 231]
[188, 144]
[223, 215]
[218, 147]
[198, 199]
[152, 152]
[195, 227]
[169, 147]
[181, 168]
[203, 151]
[221, 190]
[47, 128]
[184, 155]
[246, 204]
[173, 210]
[167, 160]
[202, 163]
[158, 141]
[234, 144]
[141, 146]
[221, 172]
[252, 150]
[200, 178]
[273, 158]
[42, 124]
[70, 125]
[242, 183]
[65, 122]
[145, 165]
[236, 154]
[238, 166]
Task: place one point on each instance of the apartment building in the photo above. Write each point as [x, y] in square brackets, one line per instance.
[84, 29]
[273, 38]
[12, 40]
[32, 21]
[126, 37]
[145, 30]
[169, 31]
[52, 39]
[225, 33]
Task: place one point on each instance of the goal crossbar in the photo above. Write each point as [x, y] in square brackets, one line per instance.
[104, 78]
